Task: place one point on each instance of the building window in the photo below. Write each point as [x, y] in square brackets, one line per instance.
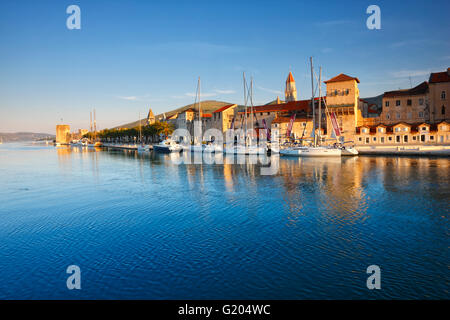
[405, 138]
[367, 140]
[414, 138]
[409, 102]
[359, 139]
[405, 129]
[443, 110]
[262, 113]
[443, 128]
[382, 139]
[388, 116]
[398, 115]
[397, 129]
[420, 114]
[397, 103]
[386, 104]
[424, 128]
[443, 95]
[347, 91]
[335, 92]
[409, 115]
[390, 138]
[380, 130]
[420, 102]
[374, 139]
[397, 138]
[431, 137]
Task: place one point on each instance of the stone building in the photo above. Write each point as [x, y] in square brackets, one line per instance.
[439, 96]
[404, 133]
[343, 99]
[222, 118]
[409, 106]
[63, 133]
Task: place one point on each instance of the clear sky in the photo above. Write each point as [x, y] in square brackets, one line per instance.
[129, 56]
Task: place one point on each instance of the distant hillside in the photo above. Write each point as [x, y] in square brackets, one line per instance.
[207, 107]
[24, 136]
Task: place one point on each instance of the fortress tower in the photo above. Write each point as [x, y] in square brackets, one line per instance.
[291, 91]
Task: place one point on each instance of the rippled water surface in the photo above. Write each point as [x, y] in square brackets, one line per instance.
[141, 226]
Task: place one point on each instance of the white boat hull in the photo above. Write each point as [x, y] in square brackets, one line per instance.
[311, 152]
[249, 150]
[349, 152]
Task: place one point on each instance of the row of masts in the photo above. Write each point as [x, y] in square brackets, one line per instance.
[93, 124]
[248, 98]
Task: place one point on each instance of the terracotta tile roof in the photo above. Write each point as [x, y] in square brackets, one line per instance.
[287, 119]
[206, 115]
[417, 90]
[390, 128]
[440, 76]
[342, 77]
[224, 108]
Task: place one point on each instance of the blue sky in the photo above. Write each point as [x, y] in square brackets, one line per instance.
[132, 55]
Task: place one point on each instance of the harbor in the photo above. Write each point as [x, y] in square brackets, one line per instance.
[224, 159]
[339, 123]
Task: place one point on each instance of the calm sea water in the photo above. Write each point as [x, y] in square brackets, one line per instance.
[142, 227]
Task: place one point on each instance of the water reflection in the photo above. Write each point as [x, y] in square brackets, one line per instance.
[169, 230]
[338, 184]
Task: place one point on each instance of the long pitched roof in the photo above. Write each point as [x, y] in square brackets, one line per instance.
[224, 108]
[417, 90]
[390, 128]
[302, 105]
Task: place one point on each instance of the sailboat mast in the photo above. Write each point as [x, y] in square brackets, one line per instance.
[199, 106]
[320, 102]
[140, 129]
[245, 105]
[251, 103]
[95, 125]
[312, 100]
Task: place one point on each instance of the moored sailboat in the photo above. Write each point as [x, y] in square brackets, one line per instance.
[314, 150]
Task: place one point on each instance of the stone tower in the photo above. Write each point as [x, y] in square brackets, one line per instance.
[150, 117]
[291, 91]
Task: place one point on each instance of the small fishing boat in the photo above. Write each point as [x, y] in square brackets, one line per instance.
[143, 148]
[167, 146]
[349, 151]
